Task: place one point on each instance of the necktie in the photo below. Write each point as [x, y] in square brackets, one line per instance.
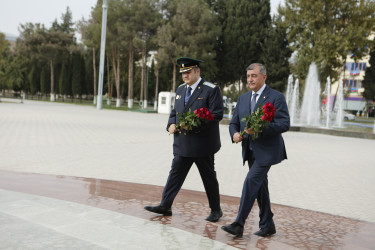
[253, 102]
[188, 94]
[252, 106]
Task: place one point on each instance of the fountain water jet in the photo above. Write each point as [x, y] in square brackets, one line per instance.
[328, 101]
[310, 111]
[294, 103]
[289, 90]
[339, 106]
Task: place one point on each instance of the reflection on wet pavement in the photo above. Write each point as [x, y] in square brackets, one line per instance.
[296, 228]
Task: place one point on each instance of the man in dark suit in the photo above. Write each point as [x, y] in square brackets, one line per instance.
[267, 150]
[197, 146]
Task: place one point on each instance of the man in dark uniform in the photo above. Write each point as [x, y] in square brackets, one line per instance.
[197, 146]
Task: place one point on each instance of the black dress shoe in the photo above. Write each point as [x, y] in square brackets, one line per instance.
[160, 210]
[234, 228]
[266, 231]
[215, 216]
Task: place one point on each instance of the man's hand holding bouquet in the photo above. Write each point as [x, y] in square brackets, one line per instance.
[259, 119]
[191, 120]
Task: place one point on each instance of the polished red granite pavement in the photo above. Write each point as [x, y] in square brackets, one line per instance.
[296, 228]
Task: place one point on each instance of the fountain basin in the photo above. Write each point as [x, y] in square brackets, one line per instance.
[331, 131]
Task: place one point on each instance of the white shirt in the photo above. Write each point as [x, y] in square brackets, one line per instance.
[259, 92]
[194, 86]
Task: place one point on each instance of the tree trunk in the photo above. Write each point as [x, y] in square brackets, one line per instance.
[52, 81]
[144, 77]
[94, 71]
[243, 89]
[244, 85]
[116, 70]
[156, 90]
[131, 73]
[109, 83]
[118, 101]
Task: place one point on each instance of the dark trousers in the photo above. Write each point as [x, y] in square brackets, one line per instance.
[177, 175]
[256, 187]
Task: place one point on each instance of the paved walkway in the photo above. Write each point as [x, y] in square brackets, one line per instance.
[328, 174]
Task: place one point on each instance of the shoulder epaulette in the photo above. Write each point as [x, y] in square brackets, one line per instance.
[181, 85]
[209, 84]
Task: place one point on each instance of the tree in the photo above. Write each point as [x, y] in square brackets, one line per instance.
[51, 44]
[15, 74]
[325, 32]
[78, 76]
[369, 80]
[191, 29]
[39, 45]
[146, 18]
[113, 43]
[65, 79]
[4, 46]
[127, 33]
[34, 79]
[91, 35]
[244, 27]
[44, 87]
[66, 24]
[275, 56]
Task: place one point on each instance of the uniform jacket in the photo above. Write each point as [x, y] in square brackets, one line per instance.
[205, 140]
[268, 148]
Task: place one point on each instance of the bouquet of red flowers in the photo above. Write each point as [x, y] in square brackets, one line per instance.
[191, 120]
[259, 119]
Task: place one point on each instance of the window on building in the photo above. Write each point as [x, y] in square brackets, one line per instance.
[348, 66]
[364, 66]
[355, 83]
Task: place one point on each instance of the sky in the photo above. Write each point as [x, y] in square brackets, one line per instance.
[16, 12]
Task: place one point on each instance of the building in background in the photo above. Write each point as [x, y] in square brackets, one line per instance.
[353, 74]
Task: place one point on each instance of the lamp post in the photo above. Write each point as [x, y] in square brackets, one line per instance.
[102, 54]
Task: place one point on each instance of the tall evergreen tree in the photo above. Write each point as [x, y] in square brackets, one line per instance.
[4, 47]
[245, 26]
[64, 79]
[88, 58]
[78, 77]
[34, 79]
[369, 80]
[66, 24]
[44, 87]
[275, 56]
